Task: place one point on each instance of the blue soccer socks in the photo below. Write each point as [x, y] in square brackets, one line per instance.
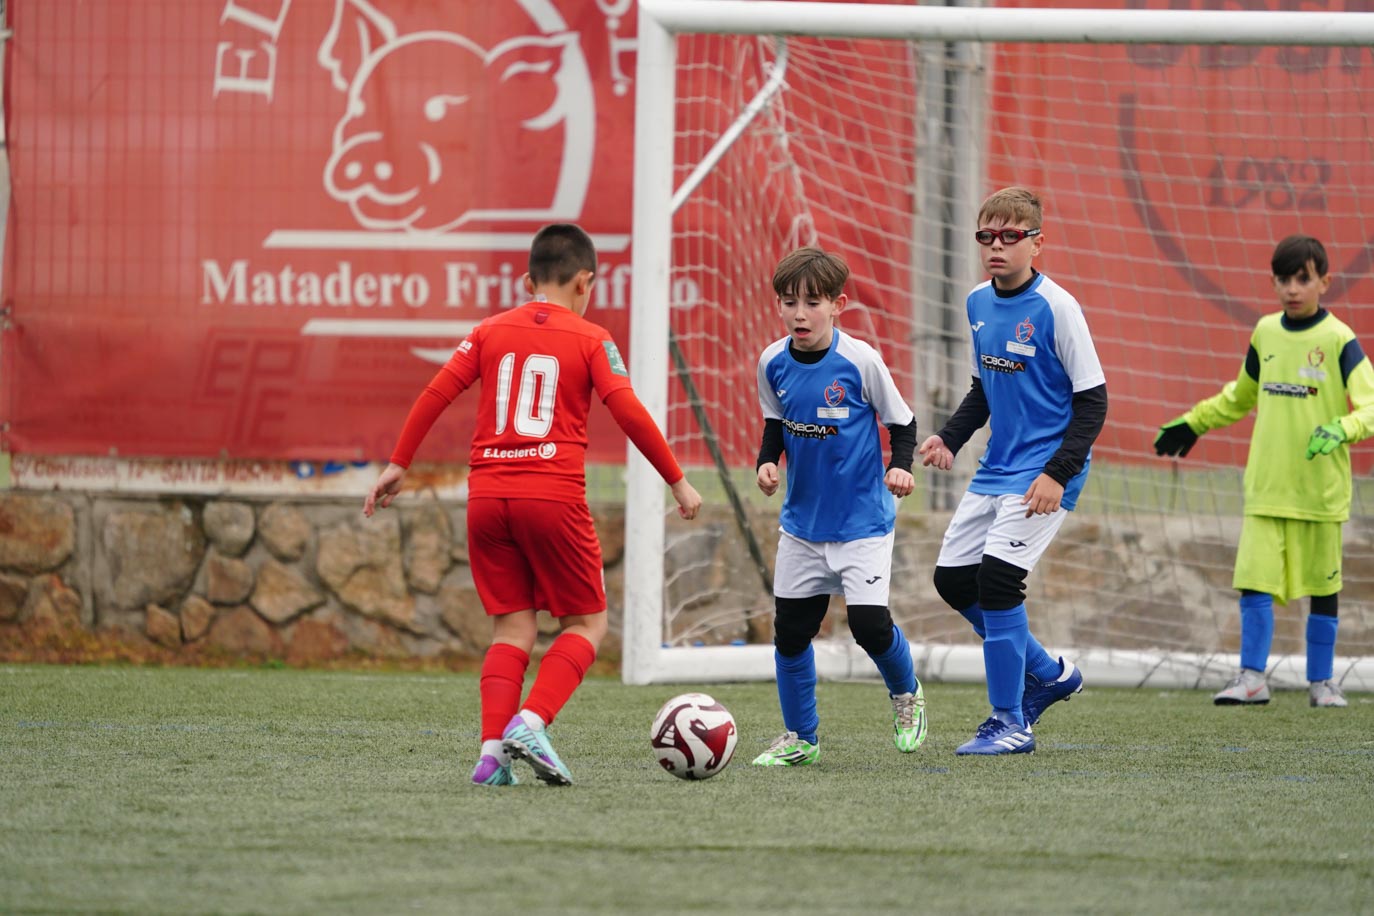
[1321, 646]
[797, 692]
[1004, 659]
[974, 615]
[1256, 629]
[899, 674]
[1038, 661]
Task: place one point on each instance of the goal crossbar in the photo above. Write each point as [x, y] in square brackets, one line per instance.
[958, 23]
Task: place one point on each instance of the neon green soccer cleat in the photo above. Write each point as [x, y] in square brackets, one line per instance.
[789, 751]
[909, 720]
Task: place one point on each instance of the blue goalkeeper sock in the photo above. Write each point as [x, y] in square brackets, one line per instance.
[797, 692]
[1038, 662]
[1321, 646]
[1256, 629]
[899, 674]
[1004, 659]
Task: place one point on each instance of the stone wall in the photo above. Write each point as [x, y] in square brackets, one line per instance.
[302, 581]
[311, 581]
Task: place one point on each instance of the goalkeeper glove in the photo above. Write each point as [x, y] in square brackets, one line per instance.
[1325, 439]
[1175, 438]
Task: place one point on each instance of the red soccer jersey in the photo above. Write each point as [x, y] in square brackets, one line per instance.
[539, 364]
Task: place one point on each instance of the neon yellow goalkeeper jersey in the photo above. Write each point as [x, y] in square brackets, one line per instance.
[1298, 375]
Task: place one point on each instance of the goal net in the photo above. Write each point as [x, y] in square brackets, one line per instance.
[1172, 150]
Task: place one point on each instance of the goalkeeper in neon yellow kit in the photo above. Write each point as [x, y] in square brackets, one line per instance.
[1302, 373]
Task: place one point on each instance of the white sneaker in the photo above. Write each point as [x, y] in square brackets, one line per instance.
[1245, 689]
[1325, 694]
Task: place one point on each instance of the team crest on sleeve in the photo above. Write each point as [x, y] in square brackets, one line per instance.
[613, 356]
[1022, 345]
[834, 397]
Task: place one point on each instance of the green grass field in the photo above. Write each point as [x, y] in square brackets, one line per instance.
[148, 790]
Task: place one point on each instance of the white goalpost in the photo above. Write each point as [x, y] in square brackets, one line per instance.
[1173, 149]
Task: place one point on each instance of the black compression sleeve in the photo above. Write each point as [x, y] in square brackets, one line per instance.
[1089, 413]
[967, 419]
[770, 449]
[903, 442]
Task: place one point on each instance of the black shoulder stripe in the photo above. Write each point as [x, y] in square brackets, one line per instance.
[1351, 356]
[1252, 364]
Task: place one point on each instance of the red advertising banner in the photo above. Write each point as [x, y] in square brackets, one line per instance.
[254, 228]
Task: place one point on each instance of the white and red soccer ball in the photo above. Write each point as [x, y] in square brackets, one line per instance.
[693, 736]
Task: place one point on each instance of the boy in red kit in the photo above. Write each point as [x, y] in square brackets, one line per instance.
[530, 532]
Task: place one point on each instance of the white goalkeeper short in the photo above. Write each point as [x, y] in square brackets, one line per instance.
[860, 570]
[997, 526]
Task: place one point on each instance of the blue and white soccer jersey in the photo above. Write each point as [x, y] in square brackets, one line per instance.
[1032, 353]
[830, 412]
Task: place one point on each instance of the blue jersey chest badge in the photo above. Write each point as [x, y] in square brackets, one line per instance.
[834, 398]
[1022, 346]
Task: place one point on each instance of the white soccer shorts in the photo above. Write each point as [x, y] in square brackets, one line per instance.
[997, 526]
[860, 570]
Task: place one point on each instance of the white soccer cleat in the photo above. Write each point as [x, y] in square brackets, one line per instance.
[1248, 688]
[1326, 695]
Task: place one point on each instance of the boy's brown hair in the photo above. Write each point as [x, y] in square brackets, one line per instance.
[1010, 207]
[811, 272]
[559, 252]
[1291, 256]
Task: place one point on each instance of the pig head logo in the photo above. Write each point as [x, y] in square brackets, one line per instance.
[439, 132]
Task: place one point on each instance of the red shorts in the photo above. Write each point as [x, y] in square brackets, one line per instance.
[534, 553]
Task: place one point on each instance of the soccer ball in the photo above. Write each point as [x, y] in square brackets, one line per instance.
[693, 736]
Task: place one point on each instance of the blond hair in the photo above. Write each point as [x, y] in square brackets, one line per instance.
[1012, 206]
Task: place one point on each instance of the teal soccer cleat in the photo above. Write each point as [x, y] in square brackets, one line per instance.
[532, 746]
[491, 772]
